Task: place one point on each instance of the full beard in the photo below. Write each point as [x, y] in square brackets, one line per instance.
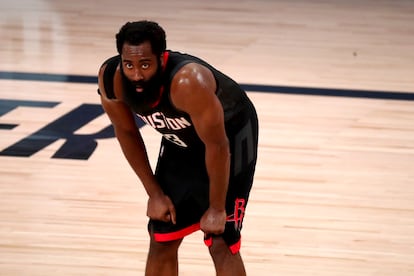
[142, 101]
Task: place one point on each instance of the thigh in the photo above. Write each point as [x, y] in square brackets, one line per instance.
[188, 212]
[182, 173]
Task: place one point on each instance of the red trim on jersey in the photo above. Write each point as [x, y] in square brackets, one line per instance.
[166, 55]
[164, 237]
[159, 98]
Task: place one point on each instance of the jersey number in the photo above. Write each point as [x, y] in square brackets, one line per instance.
[175, 139]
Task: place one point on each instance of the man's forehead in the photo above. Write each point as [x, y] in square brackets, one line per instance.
[143, 49]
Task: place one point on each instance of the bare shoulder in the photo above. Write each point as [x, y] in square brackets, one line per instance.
[193, 76]
[193, 89]
[193, 82]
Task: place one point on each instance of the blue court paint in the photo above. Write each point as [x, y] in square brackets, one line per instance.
[81, 147]
[354, 93]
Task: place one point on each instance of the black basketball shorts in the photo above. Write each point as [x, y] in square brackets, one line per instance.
[183, 177]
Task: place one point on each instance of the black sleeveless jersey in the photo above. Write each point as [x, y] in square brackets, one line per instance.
[175, 125]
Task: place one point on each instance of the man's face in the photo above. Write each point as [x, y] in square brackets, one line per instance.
[141, 67]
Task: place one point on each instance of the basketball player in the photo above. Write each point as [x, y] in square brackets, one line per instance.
[208, 150]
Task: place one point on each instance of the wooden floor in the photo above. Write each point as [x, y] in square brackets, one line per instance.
[334, 189]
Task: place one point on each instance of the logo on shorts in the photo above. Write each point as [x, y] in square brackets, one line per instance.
[238, 215]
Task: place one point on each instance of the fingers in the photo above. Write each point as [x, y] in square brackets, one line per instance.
[213, 222]
[213, 230]
[167, 218]
[170, 216]
[173, 215]
[171, 212]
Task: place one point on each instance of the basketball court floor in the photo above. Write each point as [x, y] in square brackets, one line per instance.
[333, 84]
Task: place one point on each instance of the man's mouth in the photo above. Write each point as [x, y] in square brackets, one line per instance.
[139, 88]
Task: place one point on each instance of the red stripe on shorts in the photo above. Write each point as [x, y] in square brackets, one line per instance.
[234, 248]
[164, 237]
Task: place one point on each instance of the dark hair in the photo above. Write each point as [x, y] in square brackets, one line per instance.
[137, 32]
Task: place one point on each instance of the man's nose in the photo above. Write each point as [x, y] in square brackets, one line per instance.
[137, 76]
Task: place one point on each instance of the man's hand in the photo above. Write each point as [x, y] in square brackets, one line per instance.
[161, 208]
[213, 221]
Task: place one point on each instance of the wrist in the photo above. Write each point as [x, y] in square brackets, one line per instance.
[153, 189]
[217, 207]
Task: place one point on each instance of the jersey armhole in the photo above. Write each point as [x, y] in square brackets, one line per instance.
[108, 76]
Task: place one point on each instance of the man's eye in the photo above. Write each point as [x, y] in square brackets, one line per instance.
[145, 66]
[128, 65]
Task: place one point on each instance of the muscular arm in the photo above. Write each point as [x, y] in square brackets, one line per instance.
[131, 142]
[193, 91]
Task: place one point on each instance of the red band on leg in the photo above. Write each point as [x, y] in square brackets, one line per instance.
[164, 237]
[208, 240]
[235, 247]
